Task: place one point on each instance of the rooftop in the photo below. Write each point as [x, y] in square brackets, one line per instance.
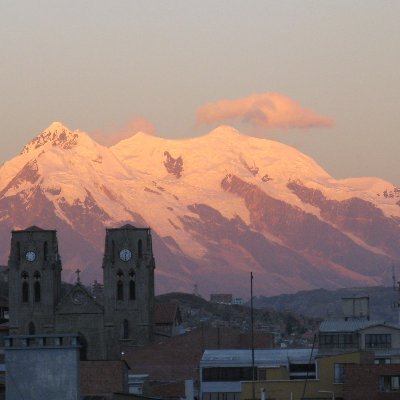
[262, 357]
[352, 325]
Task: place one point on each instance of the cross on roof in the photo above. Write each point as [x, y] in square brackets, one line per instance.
[78, 279]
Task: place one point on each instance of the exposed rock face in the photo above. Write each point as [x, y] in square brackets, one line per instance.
[303, 232]
[174, 166]
[355, 216]
[57, 135]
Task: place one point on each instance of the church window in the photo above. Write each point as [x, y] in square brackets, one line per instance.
[18, 251]
[31, 328]
[25, 292]
[120, 290]
[140, 249]
[112, 251]
[120, 274]
[25, 287]
[83, 347]
[36, 291]
[36, 275]
[125, 329]
[132, 290]
[45, 251]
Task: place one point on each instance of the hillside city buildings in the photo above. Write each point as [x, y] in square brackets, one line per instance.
[115, 342]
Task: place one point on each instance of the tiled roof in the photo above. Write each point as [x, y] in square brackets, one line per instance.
[165, 313]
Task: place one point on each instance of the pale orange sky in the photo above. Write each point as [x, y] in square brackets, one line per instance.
[108, 67]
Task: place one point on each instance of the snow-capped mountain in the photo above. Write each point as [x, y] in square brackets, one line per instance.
[219, 206]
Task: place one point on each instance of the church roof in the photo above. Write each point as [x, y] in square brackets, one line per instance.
[79, 301]
[128, 226]
[34, 228]
[166, 313]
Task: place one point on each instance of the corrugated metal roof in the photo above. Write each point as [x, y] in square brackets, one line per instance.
[346, 326]
[262, 357]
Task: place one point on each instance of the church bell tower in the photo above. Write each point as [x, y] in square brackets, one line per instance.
[128, 277]
[34, 281]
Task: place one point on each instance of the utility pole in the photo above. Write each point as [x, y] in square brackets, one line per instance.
[252, 337]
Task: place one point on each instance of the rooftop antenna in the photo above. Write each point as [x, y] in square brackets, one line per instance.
[396, 288]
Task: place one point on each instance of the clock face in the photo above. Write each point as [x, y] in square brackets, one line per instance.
[125, 255]
[30, 256]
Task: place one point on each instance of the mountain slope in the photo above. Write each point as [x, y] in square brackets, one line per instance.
[220, 206]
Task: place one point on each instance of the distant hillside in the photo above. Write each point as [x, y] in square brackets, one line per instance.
[323, 303]
[196, 312]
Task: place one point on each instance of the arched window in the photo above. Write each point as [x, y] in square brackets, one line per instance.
[83, 347]
[25, 292]
[132, 290]
[120, 290]
[140, 249]
[25, 287]
[45, 251]
[18, 251]
[31, 328]
[125, 329]
[36, 275]
[112, 251]
[36, 292]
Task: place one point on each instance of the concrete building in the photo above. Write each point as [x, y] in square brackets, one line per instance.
[42, 367]
[124, 317]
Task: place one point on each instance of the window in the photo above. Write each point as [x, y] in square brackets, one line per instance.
[339, 373]
[389, 383]
[140, 250]
[31, 328]
[18, 251]
[45, 251]
[132, 290]
[25, 287]
[382, 341]
[301, 371]
[120, 290]
[125, 329]
[380, 361]
[228, 374]
[112, 251]
[36, 292]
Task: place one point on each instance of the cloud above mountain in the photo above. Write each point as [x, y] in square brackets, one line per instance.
[262, 110]
[138, 124]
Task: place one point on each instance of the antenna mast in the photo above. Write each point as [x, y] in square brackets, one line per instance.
[396, 288]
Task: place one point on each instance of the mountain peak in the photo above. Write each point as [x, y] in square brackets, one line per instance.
[57, 134]
[56, 126]
[224, 131]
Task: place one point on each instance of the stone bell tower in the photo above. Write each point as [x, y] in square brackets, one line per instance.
[128, 273]
[34, 281]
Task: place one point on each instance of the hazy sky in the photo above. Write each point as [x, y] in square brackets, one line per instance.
[112, 66]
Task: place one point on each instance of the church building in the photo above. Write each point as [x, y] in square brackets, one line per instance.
[124, 317]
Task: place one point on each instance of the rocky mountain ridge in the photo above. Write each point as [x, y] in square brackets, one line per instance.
[220, 205]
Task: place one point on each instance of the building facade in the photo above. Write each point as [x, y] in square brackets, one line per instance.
[124, 315]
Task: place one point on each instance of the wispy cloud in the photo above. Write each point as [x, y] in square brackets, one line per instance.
[262, 110]
[138, 124]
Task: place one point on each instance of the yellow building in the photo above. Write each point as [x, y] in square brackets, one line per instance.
[277, 383]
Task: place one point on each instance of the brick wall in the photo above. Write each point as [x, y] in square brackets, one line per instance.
[361, 382]
[103, 377]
